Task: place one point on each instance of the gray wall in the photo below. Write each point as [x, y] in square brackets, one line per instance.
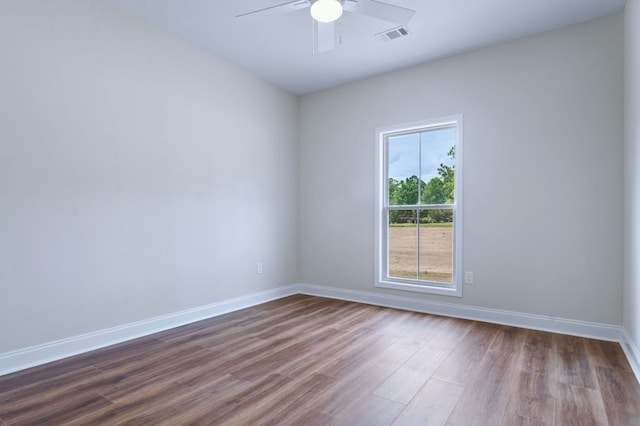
[632, 172]
[138, 176]
[543, 171]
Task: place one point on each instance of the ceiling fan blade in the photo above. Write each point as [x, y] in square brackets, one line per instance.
[350, 5]
[277, 9]
[379, 10]
[326, 36]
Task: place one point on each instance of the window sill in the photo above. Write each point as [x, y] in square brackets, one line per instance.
[454, 291]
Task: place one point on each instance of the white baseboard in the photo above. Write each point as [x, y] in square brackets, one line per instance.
[632, 352]
[516, 319]
[53, 351]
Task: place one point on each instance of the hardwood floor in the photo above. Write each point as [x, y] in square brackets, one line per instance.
[313, 361]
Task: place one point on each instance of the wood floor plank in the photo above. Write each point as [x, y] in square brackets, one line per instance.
[463, 360]
[240, 342]
[201, 375]
[573, 366]
[533, 397]
[286, 403]
[316, 361]
[485, 397]
[538, 354]
[130, 361]
[306, 318]
[35, 376]
[620, 391]
[451, 331]
[319, 356]
[38, 389]
[131, 385]
[157, 371]
[220, 323]
[371, 410]
[357, 318]
[577, 405]
[212, 332]
[541, 339]
[349, 388]
[509, 339]
[607, 354]
[363, 348]
[425, 329]
[268, 356]
[53, 411]
[400, 323]
[271, 405]
[253, 352]
[302, 416]
[202, 406]
[337, 354]
[278, 358]
[432, 406]
[254, 396]
[136, 404]
[514, 420]
[407, 380]
[309, 323]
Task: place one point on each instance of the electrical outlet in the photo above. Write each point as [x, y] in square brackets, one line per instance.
[468, 277]
[259, 268]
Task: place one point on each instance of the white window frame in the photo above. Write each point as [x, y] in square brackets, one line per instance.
[381, 275]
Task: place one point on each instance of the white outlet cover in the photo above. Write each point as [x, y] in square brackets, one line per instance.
[468, 277]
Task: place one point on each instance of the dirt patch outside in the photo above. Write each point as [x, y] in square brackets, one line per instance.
[436, 253]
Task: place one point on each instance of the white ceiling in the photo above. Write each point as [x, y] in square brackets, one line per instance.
[279, 48]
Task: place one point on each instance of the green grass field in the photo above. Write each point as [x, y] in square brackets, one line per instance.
[422, 225]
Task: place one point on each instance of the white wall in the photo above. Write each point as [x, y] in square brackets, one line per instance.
[137, 173]
[139, 176]
[543, 171]
[632, 172]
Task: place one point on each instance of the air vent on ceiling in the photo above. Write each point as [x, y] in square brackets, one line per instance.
[394, 33]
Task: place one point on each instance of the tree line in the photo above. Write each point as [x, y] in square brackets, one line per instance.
[438, 190]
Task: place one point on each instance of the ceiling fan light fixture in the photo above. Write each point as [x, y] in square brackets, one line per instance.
[326, 10]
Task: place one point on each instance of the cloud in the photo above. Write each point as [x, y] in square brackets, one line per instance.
[404, 151]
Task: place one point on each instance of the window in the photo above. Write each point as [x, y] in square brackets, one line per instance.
[419, 207]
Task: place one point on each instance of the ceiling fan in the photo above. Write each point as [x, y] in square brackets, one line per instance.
[326, 13]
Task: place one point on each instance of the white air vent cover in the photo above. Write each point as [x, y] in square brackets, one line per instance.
[394, 33]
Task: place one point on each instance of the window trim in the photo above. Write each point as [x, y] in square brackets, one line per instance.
[381, 187]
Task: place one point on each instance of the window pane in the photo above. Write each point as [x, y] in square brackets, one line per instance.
[403, 244]
[436, 246]
[437, 165]
[403, 163]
